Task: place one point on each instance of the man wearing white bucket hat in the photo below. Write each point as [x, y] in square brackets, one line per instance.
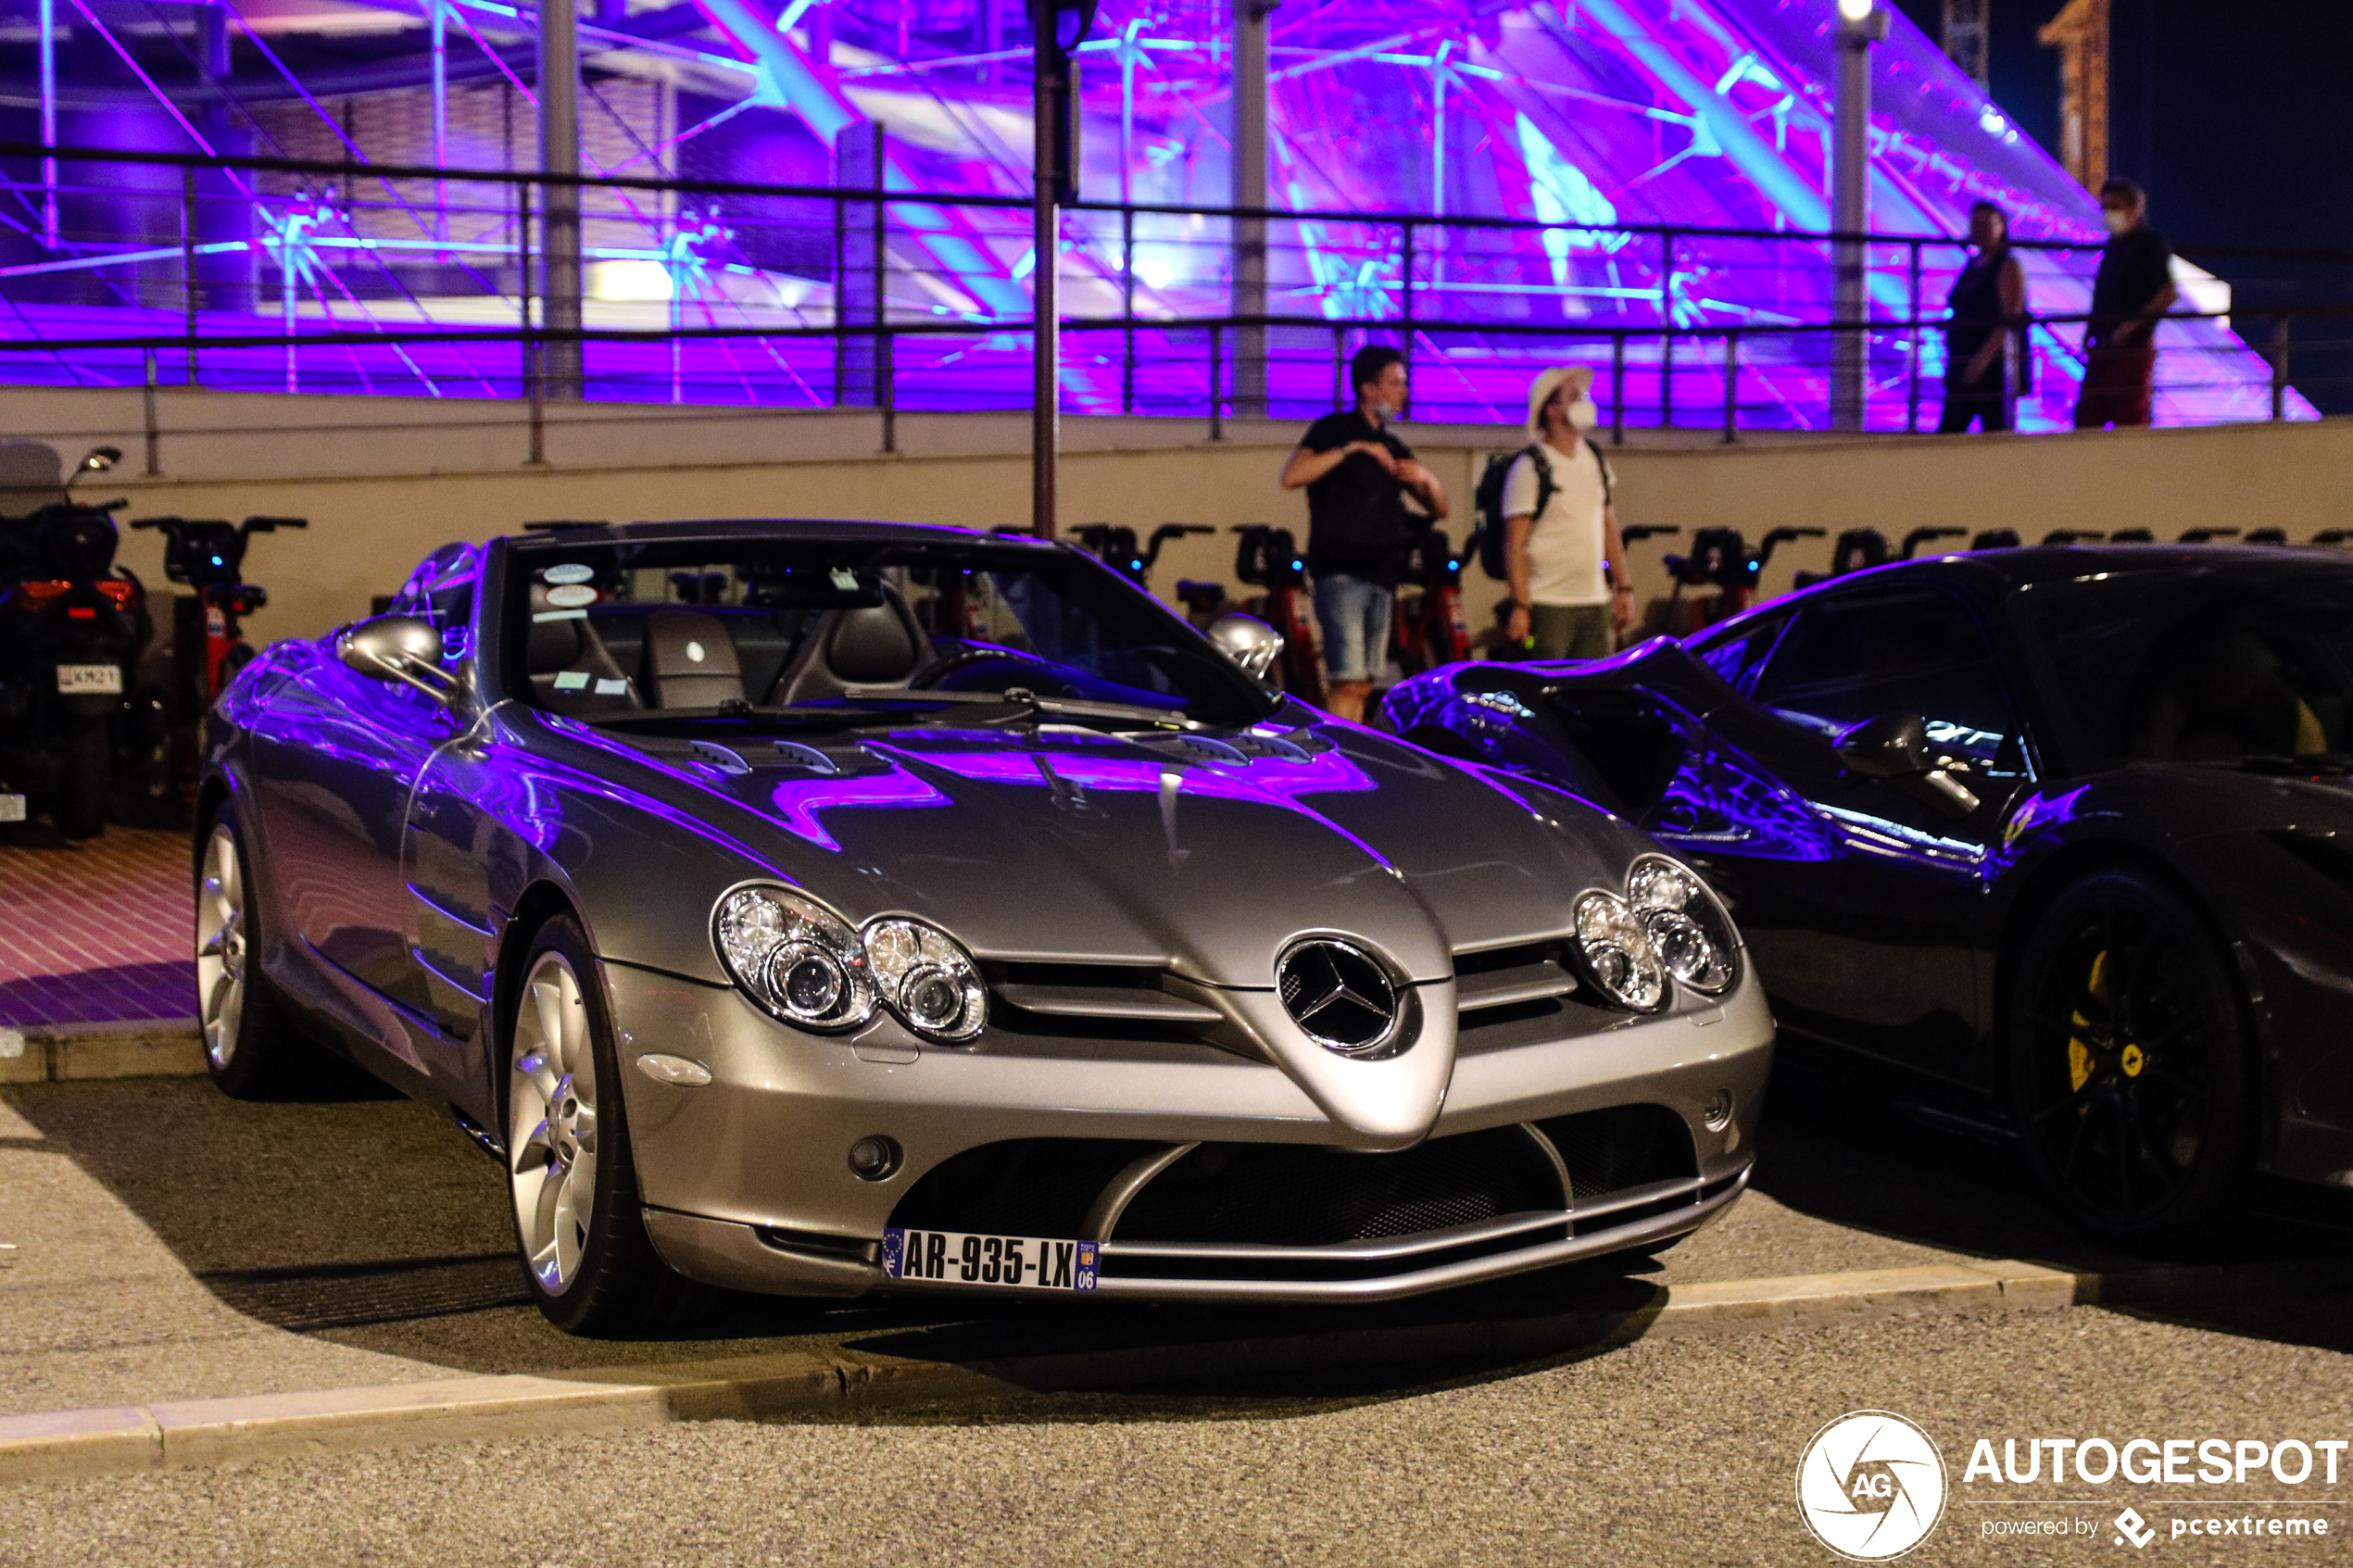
[1570, 593]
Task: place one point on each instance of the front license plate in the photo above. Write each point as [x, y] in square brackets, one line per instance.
[90, 680]
[11, 807]
[1011, 1262]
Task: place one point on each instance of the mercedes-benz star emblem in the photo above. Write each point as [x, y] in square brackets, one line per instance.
[1338, 994]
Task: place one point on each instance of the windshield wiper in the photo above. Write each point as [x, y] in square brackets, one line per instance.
[1024, 698]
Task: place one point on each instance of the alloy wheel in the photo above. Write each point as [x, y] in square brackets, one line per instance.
[551, 1123]
[2115, 1071]
[221, 947]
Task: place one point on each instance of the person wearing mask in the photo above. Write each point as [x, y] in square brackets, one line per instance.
[1982, 340]
[1571, 596]
[2133, 289]
[1357, 474]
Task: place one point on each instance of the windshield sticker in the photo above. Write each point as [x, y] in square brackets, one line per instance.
[572, 593]
[612, 688]
[569, 571]
[845, 579]
[559, 615]
[571, 680]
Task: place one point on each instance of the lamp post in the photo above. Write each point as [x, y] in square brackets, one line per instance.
[1060, 25]
[1861, 23]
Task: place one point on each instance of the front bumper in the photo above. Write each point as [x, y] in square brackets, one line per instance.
[748, 1186]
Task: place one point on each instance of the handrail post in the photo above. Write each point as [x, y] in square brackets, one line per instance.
[530, 371]
[1912, 398]
[154, 426]
[885, 389]
[2279, 366]
[1618, 388]
[1128, 309]
[1732, 384]
[1339, 367]
[1216, 375]
[841, 289]
[1667, 378]
[882, 263]
[188, 260]
[1406, 346]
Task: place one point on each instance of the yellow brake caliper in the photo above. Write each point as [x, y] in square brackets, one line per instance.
[2079, 1055]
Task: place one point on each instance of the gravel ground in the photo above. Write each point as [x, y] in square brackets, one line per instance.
[172, 1244]
[1672, 1451]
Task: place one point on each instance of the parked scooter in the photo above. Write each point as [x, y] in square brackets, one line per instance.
[72, 625]
[1116, 547]
[1719, 559]
[207, 634]
[1430, 629]
[1268, 557]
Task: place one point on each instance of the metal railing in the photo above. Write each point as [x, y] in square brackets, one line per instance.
[383, 279]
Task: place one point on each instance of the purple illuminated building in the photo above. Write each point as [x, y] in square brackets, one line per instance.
[1589, 124]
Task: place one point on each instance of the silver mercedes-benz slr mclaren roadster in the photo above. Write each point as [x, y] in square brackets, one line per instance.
[818, 908]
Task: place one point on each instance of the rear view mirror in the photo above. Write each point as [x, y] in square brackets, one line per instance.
[1248, 641]
[398, 647]
[1894, 747]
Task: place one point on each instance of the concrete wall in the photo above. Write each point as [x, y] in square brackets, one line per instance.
[383, 480]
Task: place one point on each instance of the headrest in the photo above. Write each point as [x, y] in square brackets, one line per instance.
[689, 642]
[872, 646]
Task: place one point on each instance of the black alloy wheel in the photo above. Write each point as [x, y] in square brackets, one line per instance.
[2129, 1064]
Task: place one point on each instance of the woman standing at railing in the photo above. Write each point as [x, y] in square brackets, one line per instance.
[1982, 340]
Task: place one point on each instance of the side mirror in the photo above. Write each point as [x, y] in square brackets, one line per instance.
[1248, 641]
[1894, 747]
[99, 459]
[398, 647]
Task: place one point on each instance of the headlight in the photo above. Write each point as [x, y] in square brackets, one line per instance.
[926, 978]
[1618, 952]
[794, 957]
[1686, 925]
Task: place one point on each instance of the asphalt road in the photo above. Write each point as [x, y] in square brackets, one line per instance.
[1662, 1451]
[171, 1243]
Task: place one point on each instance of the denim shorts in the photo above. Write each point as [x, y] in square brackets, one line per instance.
[1354, 616]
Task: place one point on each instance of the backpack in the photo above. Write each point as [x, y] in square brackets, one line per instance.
[1487, 540]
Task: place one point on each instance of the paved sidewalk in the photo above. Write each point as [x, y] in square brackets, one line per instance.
[94, 931]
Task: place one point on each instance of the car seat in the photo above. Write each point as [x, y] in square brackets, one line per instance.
[571, 670]
[2218, 696]
[872, 645]
[690, 660]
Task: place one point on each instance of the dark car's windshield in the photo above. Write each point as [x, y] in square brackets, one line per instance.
[2210, 666]
[769, 629]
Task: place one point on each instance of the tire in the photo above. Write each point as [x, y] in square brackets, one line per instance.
[80, 810]
[252, 1050]
[568, 1146]
[2131, 1066]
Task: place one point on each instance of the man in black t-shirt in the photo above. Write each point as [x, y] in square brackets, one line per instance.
[1357, 474]
[2133, 289]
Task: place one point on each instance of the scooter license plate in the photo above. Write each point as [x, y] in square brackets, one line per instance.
[90, 680]
[11, 807]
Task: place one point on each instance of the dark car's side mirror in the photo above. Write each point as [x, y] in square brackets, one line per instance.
[1248, 641]
[1894, 747]
[398, 647]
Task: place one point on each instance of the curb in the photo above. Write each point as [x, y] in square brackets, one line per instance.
[52, 1053]
[75, 1445]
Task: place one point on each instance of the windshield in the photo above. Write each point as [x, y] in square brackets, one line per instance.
[2201, 667]
[686, 634]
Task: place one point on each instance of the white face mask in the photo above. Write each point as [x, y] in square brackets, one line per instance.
[2118, 223]
[1583, 414]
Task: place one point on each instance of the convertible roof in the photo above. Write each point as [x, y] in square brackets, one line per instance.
[559, 536]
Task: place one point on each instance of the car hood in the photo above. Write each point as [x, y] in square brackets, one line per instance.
[1202, 857]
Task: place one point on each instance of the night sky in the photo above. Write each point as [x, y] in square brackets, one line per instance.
[2238, 117]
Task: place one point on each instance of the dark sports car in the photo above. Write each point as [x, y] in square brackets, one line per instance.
[2062, 836]
[813, 907]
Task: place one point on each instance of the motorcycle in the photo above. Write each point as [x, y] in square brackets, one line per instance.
[1268, 557]
[72, 626]
[1116, 547]
[1429, 625]
[207, 636]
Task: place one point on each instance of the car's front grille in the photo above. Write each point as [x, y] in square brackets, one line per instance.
[1097, 1001]
[1023, 1187]
[1625, 1146]
[1305, 1195]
